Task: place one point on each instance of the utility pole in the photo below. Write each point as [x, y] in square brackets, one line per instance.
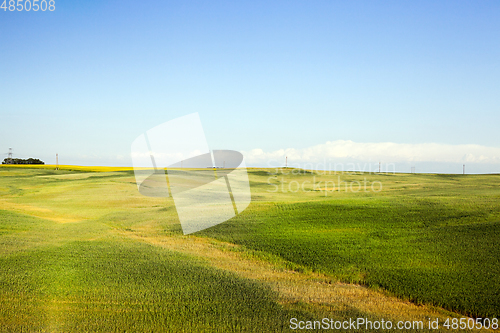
[464, 169]
[379, 167]
[412, 169]
[57, 161]
[286, 162]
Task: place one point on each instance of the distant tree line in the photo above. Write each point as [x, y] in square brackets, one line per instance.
[21, 161]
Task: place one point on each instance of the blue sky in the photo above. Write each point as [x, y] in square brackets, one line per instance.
[85, 80]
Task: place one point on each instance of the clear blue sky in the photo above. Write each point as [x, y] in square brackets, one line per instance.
[85, 80]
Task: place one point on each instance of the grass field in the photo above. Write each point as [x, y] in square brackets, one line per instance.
[432, 239]
[82, 250]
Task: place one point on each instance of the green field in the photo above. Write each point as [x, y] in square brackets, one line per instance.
[432, 239]
[82, 250]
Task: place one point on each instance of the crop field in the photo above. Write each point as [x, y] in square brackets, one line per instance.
[81, 250]
[431, 239]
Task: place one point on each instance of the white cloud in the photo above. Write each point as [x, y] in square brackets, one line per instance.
[387, 152]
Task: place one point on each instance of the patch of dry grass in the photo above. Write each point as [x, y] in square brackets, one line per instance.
[35, 211]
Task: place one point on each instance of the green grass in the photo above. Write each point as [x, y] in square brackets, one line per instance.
[434, 243]
[74, 283]
[81, 277]
[66, 266]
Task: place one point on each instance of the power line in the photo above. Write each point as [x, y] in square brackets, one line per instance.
[9, 158]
